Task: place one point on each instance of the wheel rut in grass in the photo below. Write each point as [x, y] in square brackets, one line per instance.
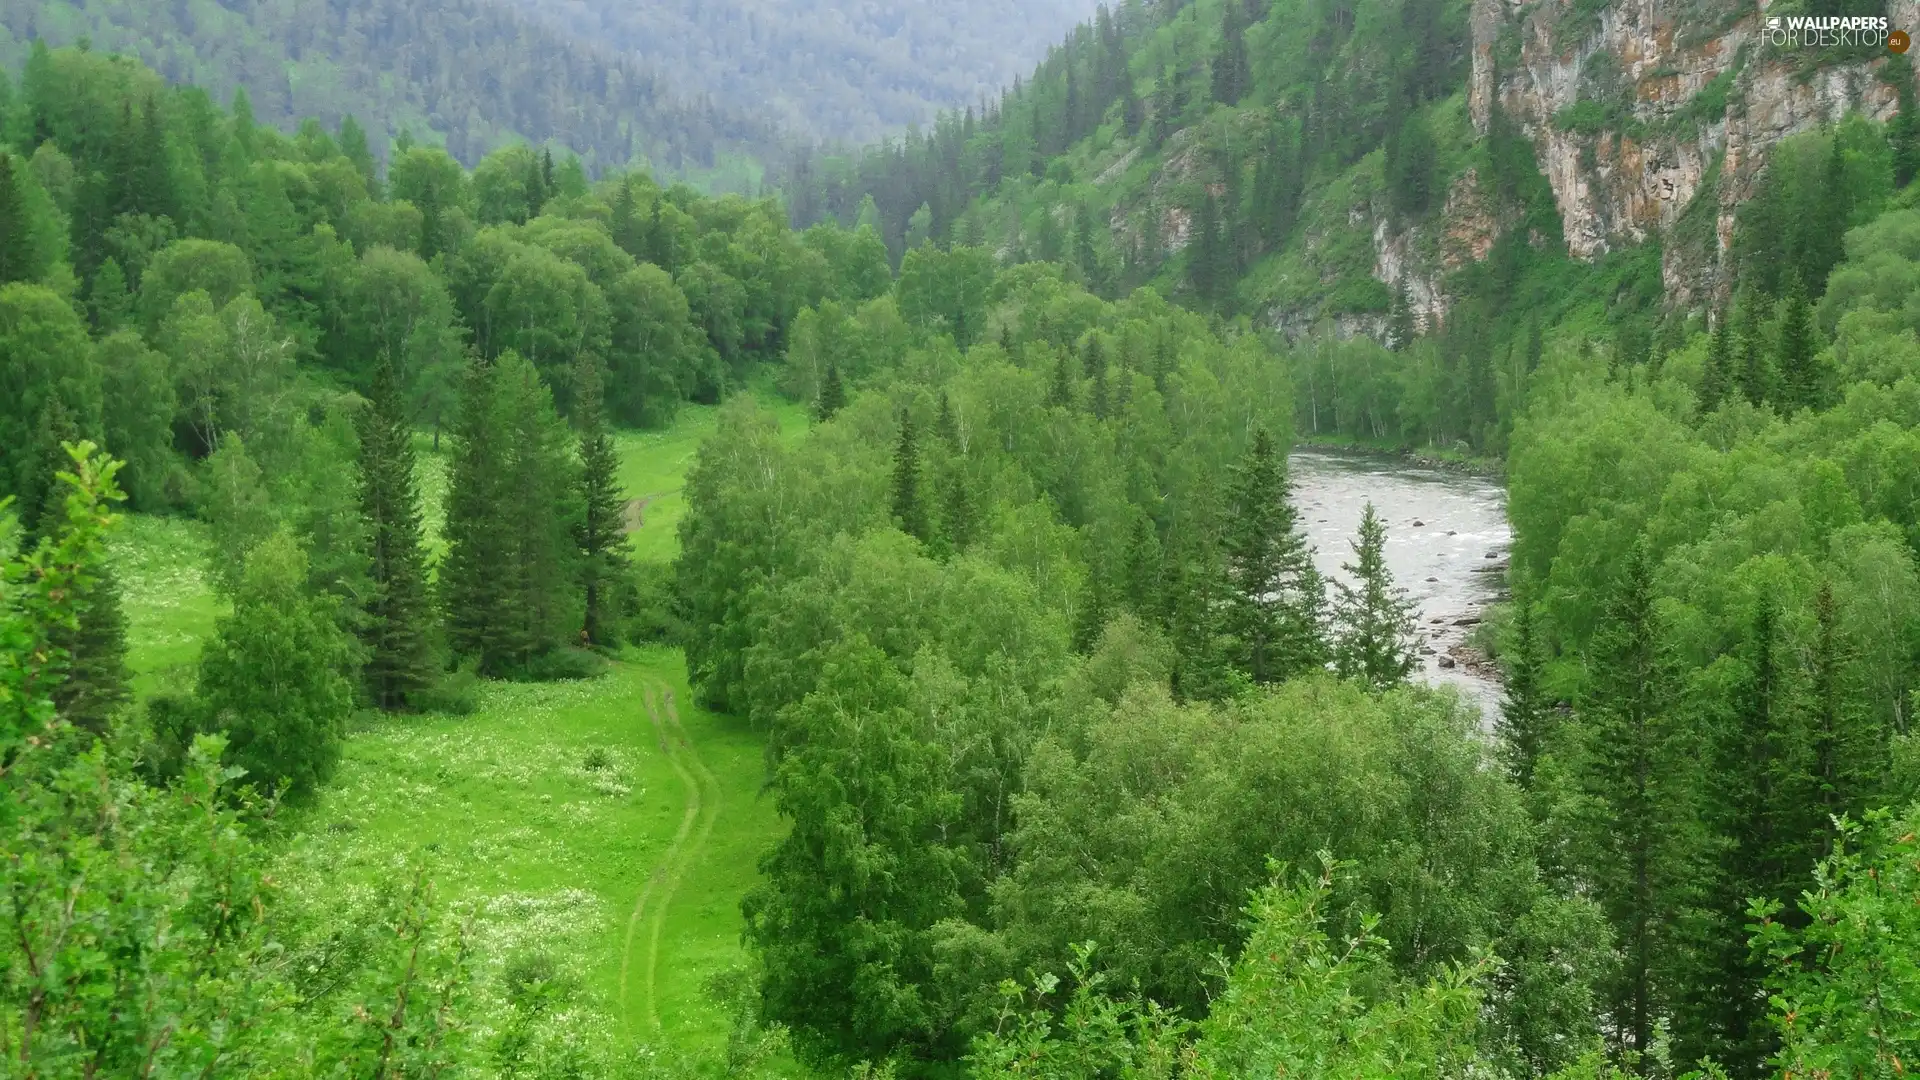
[702, 806]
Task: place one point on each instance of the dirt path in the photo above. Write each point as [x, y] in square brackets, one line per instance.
[702, 807]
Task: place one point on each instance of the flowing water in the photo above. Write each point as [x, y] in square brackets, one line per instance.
[1447, 540]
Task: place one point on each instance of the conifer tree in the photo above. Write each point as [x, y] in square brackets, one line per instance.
[1800, 378]
[957, 513]
[1524, 710]
[1193, 604]
[1763, 775]
[1133, 115]
[1849, 748]
[833, 394]
[109, 301]
[1635, 778]
[540, 506]
[1374, 619]
[1716, 378]
[1143, 561]
[600, 532]
[1060, 392]
[397, 632]
[353, 144]
[1400, 325]
[473, 586]
[1755, 373]
[1276, 600]
[1091, 617]
[909, 510]
[16, 235]
[94, 688]
[946, 426]
[1230, 68]
[42, 495]
[1203, 250]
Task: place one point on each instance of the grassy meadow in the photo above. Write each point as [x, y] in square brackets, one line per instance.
[610, 826]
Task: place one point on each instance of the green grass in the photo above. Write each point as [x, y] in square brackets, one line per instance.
[552, 854]
[654, 467]
[169, 603]
[626, 867]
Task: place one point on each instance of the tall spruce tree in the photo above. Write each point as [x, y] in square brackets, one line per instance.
[946, 426]
[1756, 369]
[1524, 710]
[1231, 72]
[1635, 782]
[1142, 571]
[601, 531]
[542, 504]
[94, 645]
[958, 515]
[1373, 619]
[1849, 747]
[1193, 603]
[833, 394]
[17, 262]
[398, 630]
[1763, 772]
[473, 576]
[909, 508]
[1797, 351]
[1276, 600]
[1060, 392]
[1716, 378]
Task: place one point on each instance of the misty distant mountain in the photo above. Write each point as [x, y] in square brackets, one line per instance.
[470, 74]
[850, 70]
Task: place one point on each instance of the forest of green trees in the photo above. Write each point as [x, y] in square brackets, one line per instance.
[1083, 768]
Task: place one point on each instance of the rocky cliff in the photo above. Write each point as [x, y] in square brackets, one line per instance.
[1644, 115]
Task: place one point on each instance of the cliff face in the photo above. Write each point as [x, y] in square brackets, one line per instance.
[1636, 114]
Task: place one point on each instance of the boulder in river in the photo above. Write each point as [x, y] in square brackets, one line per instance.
[1445, 661]
[1467, 620]
[1418, 524]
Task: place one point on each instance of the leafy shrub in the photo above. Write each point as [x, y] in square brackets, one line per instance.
[458, 694]
[562, 665]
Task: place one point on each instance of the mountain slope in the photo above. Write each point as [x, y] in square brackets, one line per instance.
[469, 73]
[852, 70]
[1346, 153]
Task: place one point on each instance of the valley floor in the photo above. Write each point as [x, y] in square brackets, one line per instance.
[609, 826]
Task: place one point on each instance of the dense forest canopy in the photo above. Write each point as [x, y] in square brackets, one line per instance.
[1081, 766]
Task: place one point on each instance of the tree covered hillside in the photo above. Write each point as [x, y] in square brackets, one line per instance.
[833, 70]
[467, 74]
[1080, 767]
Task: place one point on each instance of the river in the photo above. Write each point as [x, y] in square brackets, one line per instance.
[1447, 541]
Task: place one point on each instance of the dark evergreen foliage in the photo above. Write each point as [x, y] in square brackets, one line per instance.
[909, 504]
[601, 532]
[1373, 620]
[833, 394]
[1275, 599]
[399, 628]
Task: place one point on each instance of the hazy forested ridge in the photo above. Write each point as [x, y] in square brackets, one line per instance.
[829, 70]
[1082, 769]
[467, 74]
